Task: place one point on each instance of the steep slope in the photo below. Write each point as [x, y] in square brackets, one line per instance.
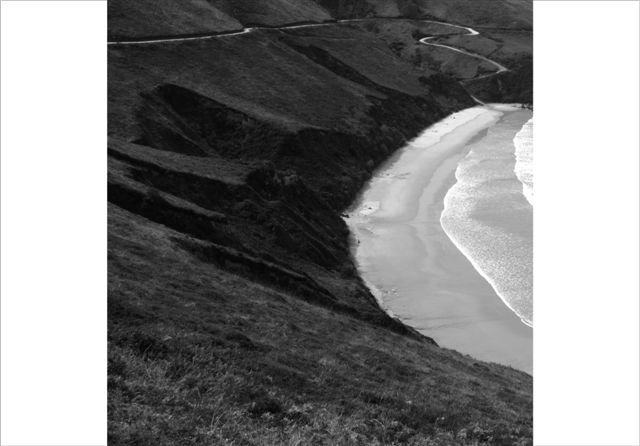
[199, 354]
[236, 315]
[512, 48]
[143, 18]
[273, 12]
[300, 129]
[516, 14]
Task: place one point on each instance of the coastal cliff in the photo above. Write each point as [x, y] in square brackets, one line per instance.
[236, 315]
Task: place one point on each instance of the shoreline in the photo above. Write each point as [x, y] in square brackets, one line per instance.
[489, 281]
[413, 267]
[494, 234]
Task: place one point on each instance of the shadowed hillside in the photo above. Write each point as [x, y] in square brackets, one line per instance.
[236, 315]
[486, 13]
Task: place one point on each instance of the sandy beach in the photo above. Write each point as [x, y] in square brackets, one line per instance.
[416, 271]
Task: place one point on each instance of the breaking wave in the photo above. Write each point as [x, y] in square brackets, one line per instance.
[524, 159]
[489, 220]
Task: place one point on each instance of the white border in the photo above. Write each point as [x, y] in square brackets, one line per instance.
[54, 223]
[54, 217]
[586, 223]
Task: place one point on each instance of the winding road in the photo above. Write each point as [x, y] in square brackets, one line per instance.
[425, 40]
[472, 32]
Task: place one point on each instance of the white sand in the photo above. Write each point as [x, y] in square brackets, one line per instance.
[417, 272]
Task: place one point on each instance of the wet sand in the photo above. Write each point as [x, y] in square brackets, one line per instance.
[417, 273]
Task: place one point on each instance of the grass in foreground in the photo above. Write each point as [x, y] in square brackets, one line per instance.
[201, 356]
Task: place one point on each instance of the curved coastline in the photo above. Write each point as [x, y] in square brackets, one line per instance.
[441, 145]
[417, 271]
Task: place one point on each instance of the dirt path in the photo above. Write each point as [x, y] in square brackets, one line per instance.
[424, 41]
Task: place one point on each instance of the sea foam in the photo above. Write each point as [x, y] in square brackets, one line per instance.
[523, 142]
[489, 220]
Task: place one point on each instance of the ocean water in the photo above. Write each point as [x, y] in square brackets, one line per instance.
[488, 212]
[524, 159]
[446, 267]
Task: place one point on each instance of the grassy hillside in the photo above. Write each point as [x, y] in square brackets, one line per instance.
[144, 18]
[273, 12]
[517, 14]
[199, 354]
[236, 315]
[514, 49]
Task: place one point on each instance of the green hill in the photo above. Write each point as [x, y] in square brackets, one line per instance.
[236, 315]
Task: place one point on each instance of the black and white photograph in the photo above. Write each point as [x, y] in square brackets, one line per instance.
[311, 222]
[320, 222]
